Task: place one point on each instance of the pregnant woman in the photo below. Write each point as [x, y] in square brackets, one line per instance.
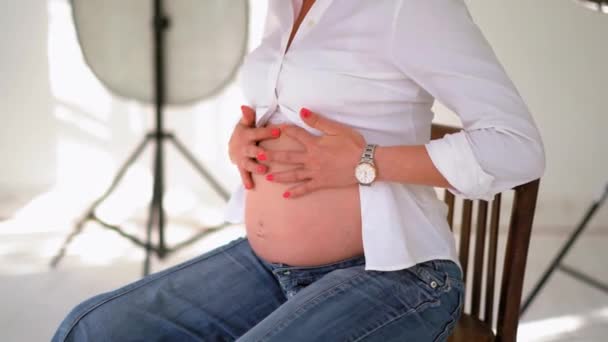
[346, 239]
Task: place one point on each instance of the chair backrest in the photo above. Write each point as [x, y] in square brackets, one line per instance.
[516, 251]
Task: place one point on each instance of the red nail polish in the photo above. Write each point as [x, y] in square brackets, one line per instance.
[261, 156]
[248, 186]
[275, 132]
[286, 194]
[243, 108]
[305, 112]
[261, 168]
[269, 177]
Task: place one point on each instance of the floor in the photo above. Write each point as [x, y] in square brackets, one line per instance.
[35, 298]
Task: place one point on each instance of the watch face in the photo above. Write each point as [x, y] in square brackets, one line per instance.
[365, 173]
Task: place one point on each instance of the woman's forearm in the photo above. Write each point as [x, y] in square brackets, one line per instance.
[407, 164]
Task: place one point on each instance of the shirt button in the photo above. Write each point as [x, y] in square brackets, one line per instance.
[311, 23]
[433, 284]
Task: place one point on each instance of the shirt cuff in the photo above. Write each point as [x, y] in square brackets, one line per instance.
[453, 157]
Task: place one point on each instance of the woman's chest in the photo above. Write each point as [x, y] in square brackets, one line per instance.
[342, 59]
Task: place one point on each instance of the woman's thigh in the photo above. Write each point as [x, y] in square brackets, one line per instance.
[421, 303]
[217, 296]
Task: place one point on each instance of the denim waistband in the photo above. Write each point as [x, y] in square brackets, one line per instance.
[445, 265]
[348, 262]
[448, 266]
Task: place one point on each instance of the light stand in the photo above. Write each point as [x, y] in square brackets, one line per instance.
[556, 264]
[158, 136]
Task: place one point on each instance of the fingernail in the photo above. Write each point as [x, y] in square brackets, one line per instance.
[261, 156]
[243, 109]
[286, 194]
[248, 186]
[305, 112]
[261, 168]
[275, 132]
[269, 177]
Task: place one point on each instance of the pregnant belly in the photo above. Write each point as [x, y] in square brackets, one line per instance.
[318, 228]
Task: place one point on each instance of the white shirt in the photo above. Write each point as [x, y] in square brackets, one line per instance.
[377, 66]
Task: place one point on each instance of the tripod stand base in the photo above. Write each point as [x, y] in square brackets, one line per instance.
[160, 249]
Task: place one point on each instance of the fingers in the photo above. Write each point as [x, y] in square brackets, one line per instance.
[246, 178]
[300, 190]
[290, 176]
[300, 134]
[322, 123]
[262, 133]
[253, 151]
[250, 165]
[286, 157]
[248, 117]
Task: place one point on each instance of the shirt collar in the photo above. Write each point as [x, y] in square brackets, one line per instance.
[288, 12]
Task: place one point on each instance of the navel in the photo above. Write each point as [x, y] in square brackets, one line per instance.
[259, 231]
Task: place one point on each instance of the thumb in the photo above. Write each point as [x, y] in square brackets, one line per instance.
[248, 117]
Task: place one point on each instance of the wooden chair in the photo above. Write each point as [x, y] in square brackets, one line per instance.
[477, 323]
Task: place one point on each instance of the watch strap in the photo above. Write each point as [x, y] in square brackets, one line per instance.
[368, 153]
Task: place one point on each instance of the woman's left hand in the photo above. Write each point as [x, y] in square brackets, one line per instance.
[328, 161]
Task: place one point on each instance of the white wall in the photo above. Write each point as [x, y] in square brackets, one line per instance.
[27, 128]
[60, 126]
[556, 53]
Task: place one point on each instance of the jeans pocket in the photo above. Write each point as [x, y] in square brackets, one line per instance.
[434, 280]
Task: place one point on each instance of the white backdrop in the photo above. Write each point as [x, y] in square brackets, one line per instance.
[60, 128]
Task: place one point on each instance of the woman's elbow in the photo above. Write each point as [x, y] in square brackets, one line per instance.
[539, 162]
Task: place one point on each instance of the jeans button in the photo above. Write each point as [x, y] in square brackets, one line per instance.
[433, 284]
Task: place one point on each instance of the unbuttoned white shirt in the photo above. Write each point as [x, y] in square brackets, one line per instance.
[377, 66]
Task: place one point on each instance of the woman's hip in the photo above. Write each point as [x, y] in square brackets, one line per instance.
[344, 302]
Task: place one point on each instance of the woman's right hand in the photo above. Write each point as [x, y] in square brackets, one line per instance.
[243, 149]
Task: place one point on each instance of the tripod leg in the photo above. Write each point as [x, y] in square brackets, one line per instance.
[90, 213]
[151, 220]
[160, 178]
[216, 186]
[121, 172]
[156, 206]
[61, 253]
[564, 250]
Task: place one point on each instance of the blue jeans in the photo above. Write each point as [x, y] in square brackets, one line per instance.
[229, 294]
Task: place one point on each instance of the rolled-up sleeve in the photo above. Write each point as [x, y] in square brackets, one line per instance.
[437, 44]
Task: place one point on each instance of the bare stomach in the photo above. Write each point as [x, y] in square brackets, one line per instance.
[318, 228]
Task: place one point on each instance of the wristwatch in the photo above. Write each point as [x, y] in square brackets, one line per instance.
[366, 171]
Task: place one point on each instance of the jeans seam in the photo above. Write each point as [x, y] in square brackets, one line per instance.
[418, 308]
[293, 316]
[452, 322]
[151, 279]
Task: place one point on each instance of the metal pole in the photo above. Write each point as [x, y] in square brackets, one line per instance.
[161, 23]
